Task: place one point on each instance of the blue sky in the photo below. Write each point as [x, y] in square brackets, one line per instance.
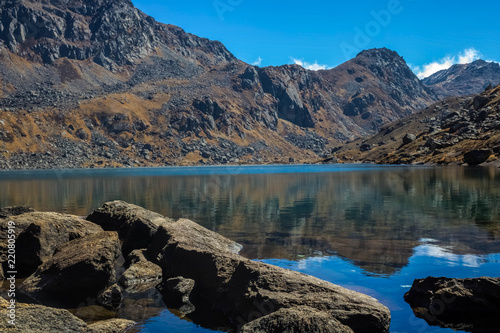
[323, 34]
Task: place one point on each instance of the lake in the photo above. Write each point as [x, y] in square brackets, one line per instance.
[373, 229]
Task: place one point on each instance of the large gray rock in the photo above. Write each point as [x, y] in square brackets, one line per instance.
[78, 270]
[462, 304]
[296, 320]
[44, 233]
[135, 225]
[242, 290]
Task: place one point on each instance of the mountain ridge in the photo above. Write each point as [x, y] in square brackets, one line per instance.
[464, 79]
[113, 87]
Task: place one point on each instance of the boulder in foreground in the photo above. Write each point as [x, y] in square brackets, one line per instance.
[240, 290]
[135, 225]
[78, 270]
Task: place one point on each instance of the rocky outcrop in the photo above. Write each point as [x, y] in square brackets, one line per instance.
[135, 225]
[79, 269]
[462, 304]
[239, 290]
[285, 84]
[46, 231]
[464, 79]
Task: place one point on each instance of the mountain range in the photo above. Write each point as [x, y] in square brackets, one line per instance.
[98, 83]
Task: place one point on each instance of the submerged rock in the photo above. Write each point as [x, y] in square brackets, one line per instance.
[241, 290]
[135, 225]
[78, 270]
[461, 304]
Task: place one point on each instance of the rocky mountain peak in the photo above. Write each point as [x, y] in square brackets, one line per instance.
[464, 79]
[113, 33]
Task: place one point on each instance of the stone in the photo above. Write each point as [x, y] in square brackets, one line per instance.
[114, 325]
[177, 293]
[409, 138]
[239, 290]
[32, 318]
[45, 232]
[463, 304]
[141, 274]
[111, 297]
[476, 157]
[295, 320]
[135, 225]
[79, 269]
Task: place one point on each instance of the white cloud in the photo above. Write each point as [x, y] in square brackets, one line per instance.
[310, 66]
[257, 62]
[464, 57]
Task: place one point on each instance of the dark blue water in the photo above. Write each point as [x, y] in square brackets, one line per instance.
[373, 229]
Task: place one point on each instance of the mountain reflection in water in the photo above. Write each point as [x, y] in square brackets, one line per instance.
[373, 229]
[373, 217]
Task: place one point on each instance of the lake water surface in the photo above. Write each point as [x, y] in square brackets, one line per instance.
[373, 229]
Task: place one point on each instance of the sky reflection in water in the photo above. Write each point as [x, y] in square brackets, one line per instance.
[369, 228]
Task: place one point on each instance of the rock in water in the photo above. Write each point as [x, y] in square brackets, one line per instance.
[45, 232]
[142, 274]
[241, 290]
[476, 157]
[78, 270]
[461, 304]
[296, 320]
[135, 225]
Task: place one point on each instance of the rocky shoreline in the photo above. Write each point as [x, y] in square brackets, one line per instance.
[122, 247]
[68, 262]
